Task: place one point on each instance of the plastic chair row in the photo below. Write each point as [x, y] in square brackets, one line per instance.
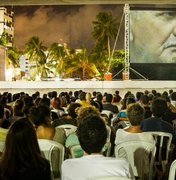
[137, 153]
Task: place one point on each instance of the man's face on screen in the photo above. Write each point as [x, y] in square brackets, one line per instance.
[153, 36]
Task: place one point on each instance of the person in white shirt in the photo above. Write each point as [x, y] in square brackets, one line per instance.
[135, 114]
[92, 135]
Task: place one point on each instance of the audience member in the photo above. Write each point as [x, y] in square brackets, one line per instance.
[98, 100]
[117, 98]
[82, 100]
[173, 99]
[108, 104]
[37, 101]
[45, 102]
[37, 94]
[17, 111]
[169, 115]
[135, 114]
[57, 108]
[144, 100]
[120, 120]
[7, 109]
[92, 135]
[70, 117]
[83, 112]
[76, 94]
[3, 131]
[156, 123]
[94, 94]
[63, 98]
[28, 103]
[138, 96]
[88, 97]
[53, 96]
[41, 118]
[21, 158]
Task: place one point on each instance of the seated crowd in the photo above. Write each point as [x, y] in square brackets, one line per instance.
[101, 121]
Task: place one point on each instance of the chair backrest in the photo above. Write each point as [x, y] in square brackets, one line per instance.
[2, 145]
[163, 144]
[107, 112]
[76, 151]
[172, 171]
[140, 155]
[69, 128]
[54, 152]
[111, 178]
[109, 133]
[174, 124]
[107, 148]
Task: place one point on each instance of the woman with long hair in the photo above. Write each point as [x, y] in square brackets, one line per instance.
[21, 158]
[41, 117]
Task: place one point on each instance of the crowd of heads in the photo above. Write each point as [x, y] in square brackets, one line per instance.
[40, 109]
[23, 105]
[23, 114]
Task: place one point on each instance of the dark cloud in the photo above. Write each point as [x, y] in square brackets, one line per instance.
[72, 24]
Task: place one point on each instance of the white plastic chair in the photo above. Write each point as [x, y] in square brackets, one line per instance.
[111, 178]
[172, 171]
[54, 152]
[69, 128]
[109, 133]
[108, 149]
[107, 112]
[76, 151]
[110, 114]
[160, 139]
[108, 143]
[174, 124]
[2, 145]
[140, 155]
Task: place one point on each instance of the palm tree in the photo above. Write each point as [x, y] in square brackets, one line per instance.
[13, 56]
[3, 39]
[36, 52]
[57, 56]
[100, 59]
[43, 70]
[119, 57]
[104, 32]
[81, 63]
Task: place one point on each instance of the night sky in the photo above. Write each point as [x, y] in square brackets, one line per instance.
[71, 24]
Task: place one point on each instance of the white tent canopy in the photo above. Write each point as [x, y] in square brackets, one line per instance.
[72, 2]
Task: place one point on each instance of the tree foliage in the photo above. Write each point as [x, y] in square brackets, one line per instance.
[59, 60]
[81, 63]
[36, 52]
[104, 31]
[13, 56]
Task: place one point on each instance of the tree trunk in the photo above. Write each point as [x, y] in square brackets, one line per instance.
[109, 55]
[84, 73]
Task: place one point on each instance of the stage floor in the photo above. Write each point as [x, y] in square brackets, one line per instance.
[88, 86]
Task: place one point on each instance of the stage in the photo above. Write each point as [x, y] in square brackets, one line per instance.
[88, 86]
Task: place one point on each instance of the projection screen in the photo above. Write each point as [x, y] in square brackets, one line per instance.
[152, 42]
